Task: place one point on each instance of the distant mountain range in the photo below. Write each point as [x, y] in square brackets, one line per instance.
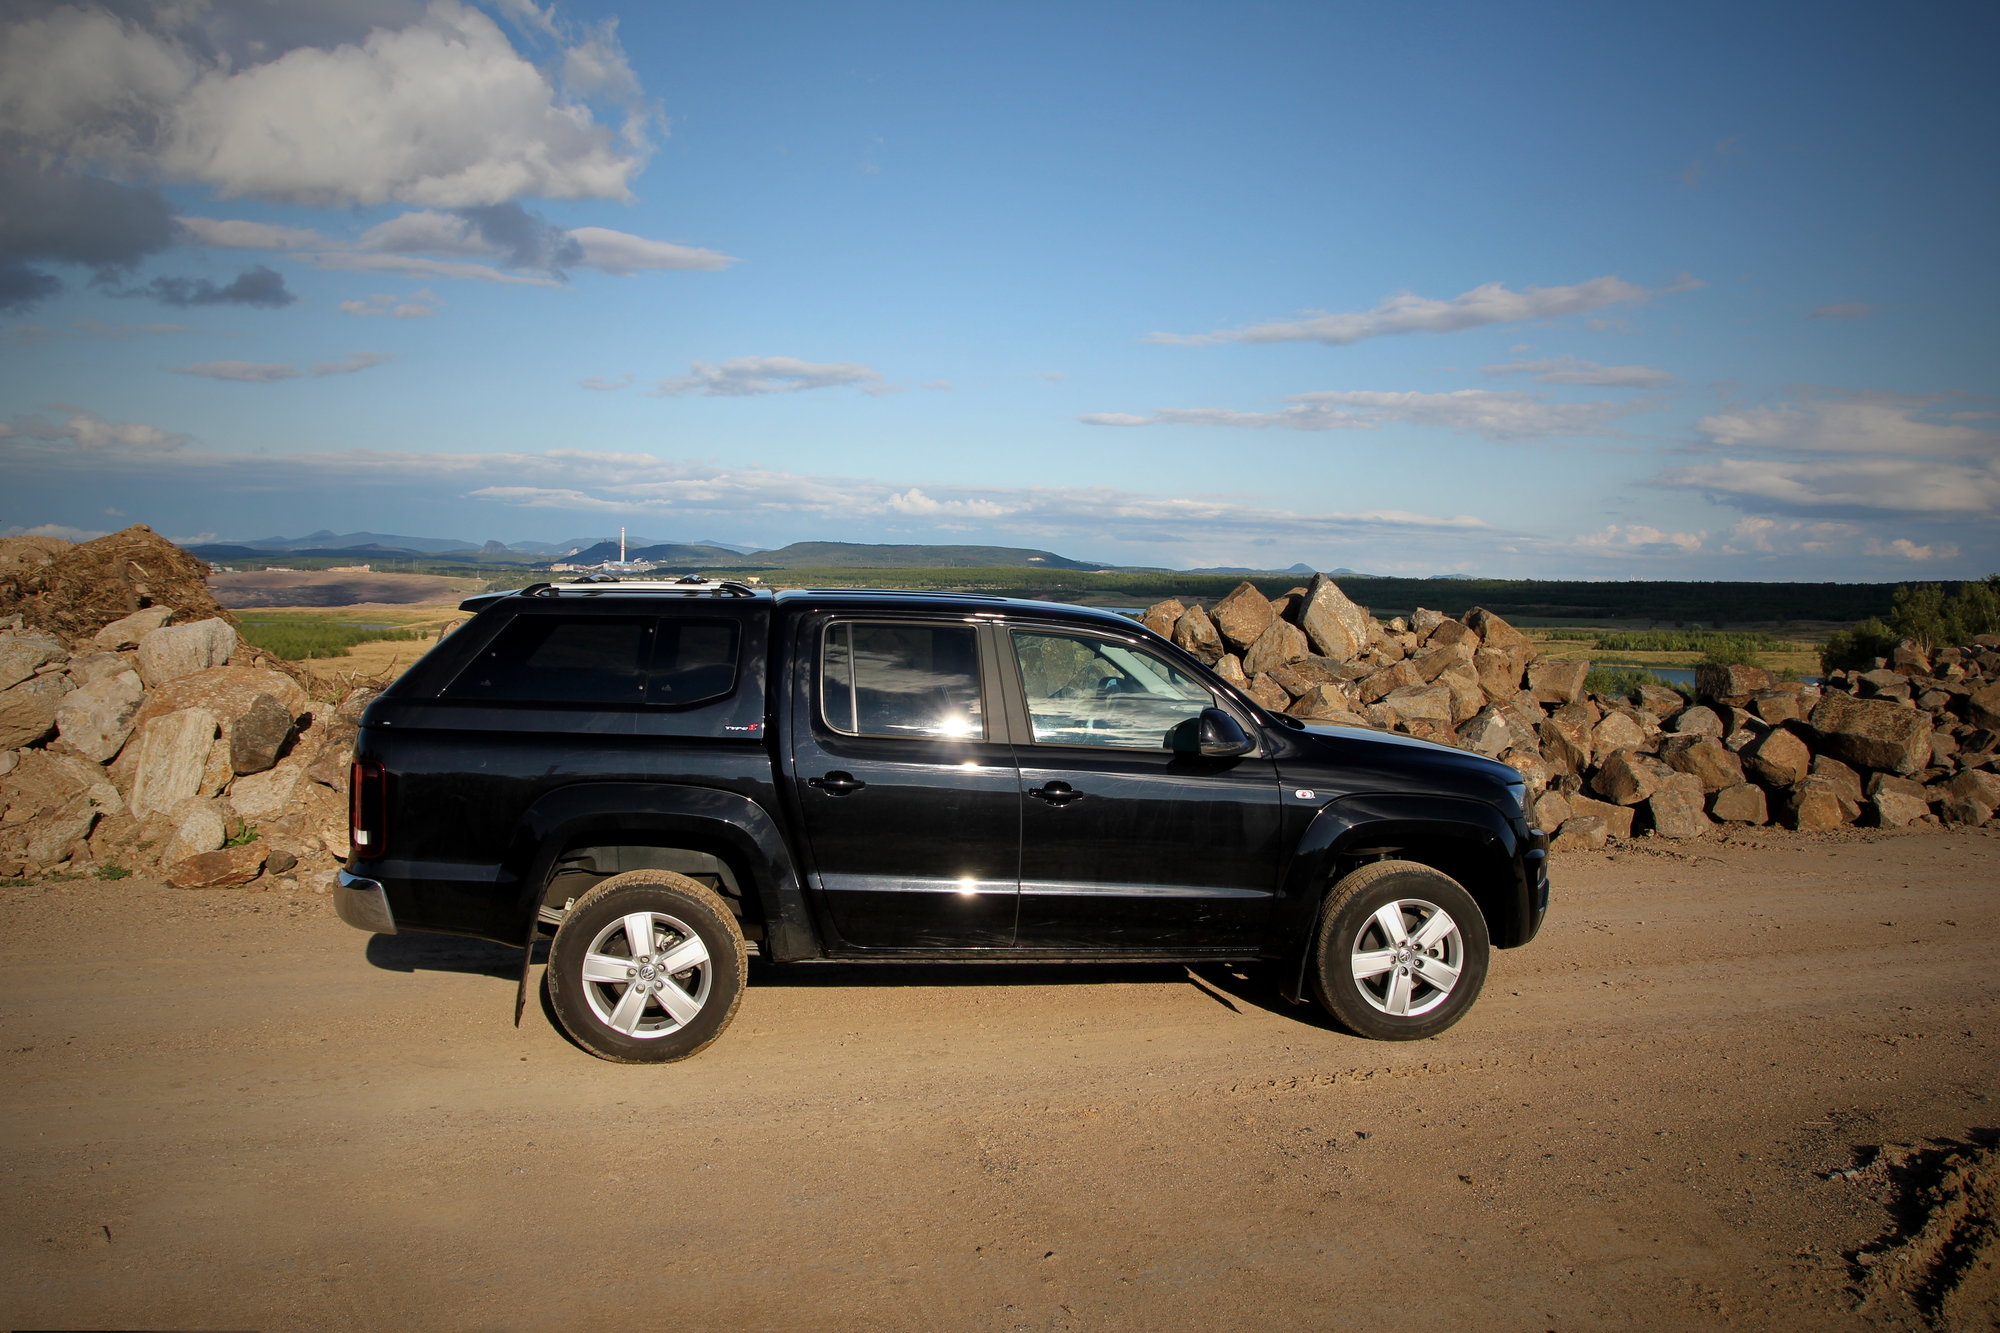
[705, 555]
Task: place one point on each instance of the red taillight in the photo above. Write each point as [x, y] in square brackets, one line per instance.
[367, 804]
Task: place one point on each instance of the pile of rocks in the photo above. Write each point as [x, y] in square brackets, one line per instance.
[139, 735]
[1911, 742]
[150, 749]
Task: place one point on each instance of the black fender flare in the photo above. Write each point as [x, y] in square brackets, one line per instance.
[1471, 840]
[664, 813]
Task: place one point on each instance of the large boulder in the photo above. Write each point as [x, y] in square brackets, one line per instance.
[1428, 703]
[1628, 777]
[24, 652]
[1779, 759]
[96, 720]
[48, 804]
[1337, 626]
[1617, 818]
[1281, 644]
[1676, 809]
[1708, 761]
[28, 710]
[1499, 670]
[1494, 632]
[1162, 616]
[1982, 707]
[1741, 804]
[1617, 731]
[170, 759]
[230, 693]
[1970, 798]
[1195, 633]
[1817, 804]
[126, 631]
[227, 868]
[1873, 733]
[259, 734]
[1735, 685]
[1488, 733]
[1242, 616]
[1554, 682]
[174, 651]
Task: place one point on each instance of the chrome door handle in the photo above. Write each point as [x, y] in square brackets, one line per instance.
[837, 783]
[1057, 793]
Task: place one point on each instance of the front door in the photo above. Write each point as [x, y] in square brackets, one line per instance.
[911, 810]
[1126, 842]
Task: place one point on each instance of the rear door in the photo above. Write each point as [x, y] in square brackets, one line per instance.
[1126, 843]
[908, 796]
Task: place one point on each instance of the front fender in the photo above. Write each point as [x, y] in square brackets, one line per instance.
[1472, 841]
[670, 814]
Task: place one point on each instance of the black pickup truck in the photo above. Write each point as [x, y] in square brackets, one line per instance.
[673, 776]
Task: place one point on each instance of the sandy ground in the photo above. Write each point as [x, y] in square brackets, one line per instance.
[1706, 1098]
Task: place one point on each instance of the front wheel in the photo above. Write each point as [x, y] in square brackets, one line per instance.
[647, 967]
[1401, 952]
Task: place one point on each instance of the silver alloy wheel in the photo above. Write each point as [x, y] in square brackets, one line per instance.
[1406, 957]
[646, 974]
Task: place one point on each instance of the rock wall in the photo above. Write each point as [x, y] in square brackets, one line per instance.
[1911, 742]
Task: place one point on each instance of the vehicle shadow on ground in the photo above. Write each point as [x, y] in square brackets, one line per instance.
[419, 952]
[1238, 987]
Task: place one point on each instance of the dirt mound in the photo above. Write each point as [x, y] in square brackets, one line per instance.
[84, 588]
[1943, 1258]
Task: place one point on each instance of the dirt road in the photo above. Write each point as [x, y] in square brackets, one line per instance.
[1670, 1112]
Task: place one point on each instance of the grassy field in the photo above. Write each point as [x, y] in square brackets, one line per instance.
[342, 646]
[1653, 649]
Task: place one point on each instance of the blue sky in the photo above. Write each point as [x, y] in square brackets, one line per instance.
[1520, 291]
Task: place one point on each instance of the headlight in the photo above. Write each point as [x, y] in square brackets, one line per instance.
[1517, 794]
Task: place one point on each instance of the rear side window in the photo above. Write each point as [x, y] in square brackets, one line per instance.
[602, 660]
[902, 680]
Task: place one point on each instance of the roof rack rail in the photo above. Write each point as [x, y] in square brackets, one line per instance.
[596, 584]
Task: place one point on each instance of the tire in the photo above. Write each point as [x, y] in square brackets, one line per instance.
[622, 1010]
[1401, 953]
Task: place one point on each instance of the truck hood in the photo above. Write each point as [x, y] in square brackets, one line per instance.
[1349, 760]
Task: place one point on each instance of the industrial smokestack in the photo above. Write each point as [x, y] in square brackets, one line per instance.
[621, 546]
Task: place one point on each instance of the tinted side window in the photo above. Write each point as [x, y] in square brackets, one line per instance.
[901, 680]
[693, 660]
[602, 660]
[1083, 691]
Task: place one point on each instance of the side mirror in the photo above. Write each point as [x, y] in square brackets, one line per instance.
[1222, 736]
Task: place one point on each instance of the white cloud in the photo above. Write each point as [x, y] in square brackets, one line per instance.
[270, 372]
[249, 372]
[234, 234]
[1495, 415]
[1846, 454]
[749, 376]
[420, 304]
[87, 432]
[589, 482]
[1883, 424]
[1575, 370]
[1902, 548]
[1640, 539]
[1856, 485]
[606, 384]
[61, 530]
[1406, 312]
[347, 365]
[415, 266]
[441, 111]
[621, 253]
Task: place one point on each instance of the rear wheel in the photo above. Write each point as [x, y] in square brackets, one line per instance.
[1401, 953]
[647, 967]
